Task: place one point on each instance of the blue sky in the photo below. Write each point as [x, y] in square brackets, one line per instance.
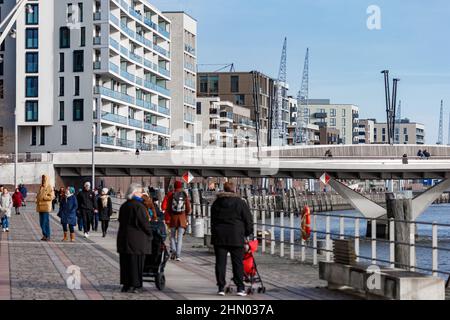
[345, 57]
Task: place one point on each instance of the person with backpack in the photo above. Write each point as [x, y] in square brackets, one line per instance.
[177, 206]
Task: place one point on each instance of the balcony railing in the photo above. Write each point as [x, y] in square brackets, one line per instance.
[190, 84]
[97, 65]
[97, 40]
[114, 94]
[97, 16]
[190, 67]
[189, 49]
[189, 117]
[228, 115]
[189, 100]
[135, 123]
[189, 138]
[125, 143]
[156, 128]
[114, 118]
[108, 140]
[146, 105]
[164, 110]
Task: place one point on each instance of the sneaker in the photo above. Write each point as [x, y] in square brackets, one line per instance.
[178, 259]
[86, 235]
[242, 293]
[4, 230]
[7, 229]
[221, 293]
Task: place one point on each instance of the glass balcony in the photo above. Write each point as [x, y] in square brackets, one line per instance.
[127, 75]
[146, 105]
[189, 49]
[190, 100]
[156, 128]
[124, 143]
[114, 118]
[113, 67]
[190, 84]
[114, 43]
[108, 140]
[97, 16]
[97, 65]
[189, 138]
[164, 71]
[114, 94]
[163, 110]
[189, 117]
[97, 40]
[143, 146]
[135, 123]
[228, 115]
[190, 67]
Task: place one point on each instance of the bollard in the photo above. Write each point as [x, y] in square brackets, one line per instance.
[314, 241]
[281, 234]
[357, 239]
[272, 232]
[291, 240]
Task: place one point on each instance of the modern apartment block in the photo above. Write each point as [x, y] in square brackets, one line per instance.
[344, 117]
[239, 88]
[184, 78]
[224, 124]
[366, 131]
[405, 132]
[82, 64]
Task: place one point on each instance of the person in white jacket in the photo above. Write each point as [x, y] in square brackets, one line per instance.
[5, 209]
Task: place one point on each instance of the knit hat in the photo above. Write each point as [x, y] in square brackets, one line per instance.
[105, 191]
[178, 185]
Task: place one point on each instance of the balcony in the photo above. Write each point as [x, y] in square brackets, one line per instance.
[190, 67]
[144, 146]
[189, 138]
[189, 49]
[114, 94]
[190, 84]
[214, 111]
[97, 65]
[135, 123]
[97, 16]
[164, 110]
[124, 143]
[114, 43]
[320, 115]
[214, 126]
[227, 115]
[147, 105]
[114, 118]
[189, 117]
[108, 140]
[156, 128]
[97, 40]
[189, 100]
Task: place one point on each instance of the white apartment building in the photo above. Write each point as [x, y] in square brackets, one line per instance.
[405, 132]
[344, 117]
[184, 78]
[93, 63]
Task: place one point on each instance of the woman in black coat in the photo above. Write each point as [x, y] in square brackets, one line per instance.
[104, 205]
[134, 240]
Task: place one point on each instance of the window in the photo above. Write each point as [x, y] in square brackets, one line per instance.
[80, 12]
[83, 37]
[69, 12]
[64, 37]
[64, 136]
[203, 84]
[32, 14]
[213, 84]
[42, 137]
[31, 38]
[78, 106]
[333, 112]
[234, 83]
[61, 111]
[78, 61]
[33, 136]
[31, 62]
[333, 122]
[31, 87]
[199, 108]
[31, 111]
[77, 85]
[239, 99]
[406, 138]
[405, 130]
[1, 64]
[61, 86]
[383, 131]
[61, 62]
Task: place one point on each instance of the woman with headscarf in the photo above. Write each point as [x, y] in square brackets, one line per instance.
[44, 200]
[104, 205]
[134, 240]
[68, 213]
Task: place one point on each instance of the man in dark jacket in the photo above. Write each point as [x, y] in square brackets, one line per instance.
[231, 223]
[134, 240]
[87, 205]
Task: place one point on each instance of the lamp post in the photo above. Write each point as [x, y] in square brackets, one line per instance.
[93, 155]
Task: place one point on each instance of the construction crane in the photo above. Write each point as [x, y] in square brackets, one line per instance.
[277, 134]
[441, 125]
[302, 104]
[448, 131]
[223, 66]
[390, 105]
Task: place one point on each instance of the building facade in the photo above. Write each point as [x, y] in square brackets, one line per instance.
[184, 78]
[406, 132]
[239, 89]
[366, 131]
[85, 66]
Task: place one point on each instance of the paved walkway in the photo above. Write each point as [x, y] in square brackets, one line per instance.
[31, 269]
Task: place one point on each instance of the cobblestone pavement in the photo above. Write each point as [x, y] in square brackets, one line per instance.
[38, 270]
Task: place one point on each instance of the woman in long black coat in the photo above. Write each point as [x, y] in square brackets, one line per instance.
[104, 205]
[134, 240]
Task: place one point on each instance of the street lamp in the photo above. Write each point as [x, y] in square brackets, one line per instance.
[93, 155]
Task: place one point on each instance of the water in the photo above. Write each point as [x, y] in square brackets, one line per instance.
[437, 213]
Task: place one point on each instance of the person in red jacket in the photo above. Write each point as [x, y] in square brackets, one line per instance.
[17, 199]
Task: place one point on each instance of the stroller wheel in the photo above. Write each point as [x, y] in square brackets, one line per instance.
[263, 290]
[259, 290]
[160, 281]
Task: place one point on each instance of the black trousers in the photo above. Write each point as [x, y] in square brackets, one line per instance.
[237, 256]
[87, 216]
[131, 269]
[105, 224]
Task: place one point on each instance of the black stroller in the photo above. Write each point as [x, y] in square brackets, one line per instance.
[156, 262]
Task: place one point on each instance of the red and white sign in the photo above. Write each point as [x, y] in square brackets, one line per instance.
[188, 177]
[325, 178]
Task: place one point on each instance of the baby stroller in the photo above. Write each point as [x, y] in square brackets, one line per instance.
[251, 273]
[156, 262]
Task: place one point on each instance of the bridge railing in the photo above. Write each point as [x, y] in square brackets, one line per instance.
[26, 157]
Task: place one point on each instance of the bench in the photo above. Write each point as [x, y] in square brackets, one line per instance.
[377, 282]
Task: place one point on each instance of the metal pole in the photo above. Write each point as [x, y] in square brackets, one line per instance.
[392, 243]
[282, 234]
[328, 239]
[16, 147]
[357, 239]
[412, 243]
[435, 250]
[314, 240]
[374, 241]
[341, 228]
[93, 155]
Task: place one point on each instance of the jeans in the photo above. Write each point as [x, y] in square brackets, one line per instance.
[71, 228]
[87, 220]
[80, 223]
[237, 255]
[44, 221]
[176, 241]
[94, 221]
[5, 222]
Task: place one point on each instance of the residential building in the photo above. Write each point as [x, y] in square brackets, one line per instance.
[343, 117]
[184, 78]
[311, 131]
[405, 132]
[239, 88]
[224, 124]
[366, 131]
[101, 64]
[329, 135]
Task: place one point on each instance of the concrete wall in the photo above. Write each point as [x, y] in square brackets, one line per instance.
[27, 173]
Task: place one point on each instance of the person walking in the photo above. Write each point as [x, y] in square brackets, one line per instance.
[134, 240]
[23, 190]
[231, 224]
[95, 218]
[68, 213]
[44, 200]
[6, 204]
[17, 199]
[177, 206]
[86, 206]
[104, 205]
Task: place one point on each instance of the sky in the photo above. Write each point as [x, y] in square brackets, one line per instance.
[346, 57]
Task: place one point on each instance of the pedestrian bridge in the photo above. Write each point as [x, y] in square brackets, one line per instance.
[362, 162]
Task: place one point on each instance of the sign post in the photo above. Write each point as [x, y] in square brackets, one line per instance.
[187, 177]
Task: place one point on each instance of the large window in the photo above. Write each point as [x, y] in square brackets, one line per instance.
[31, 111]
[33, 136]
[32, 14]
[77, 86]
[32, 62]
[31, 85]
[78, 112]
[204, 84]
[83, 37]
[213, 84]
[234, 83]
[64, 136]
[31, 38]
[61, 111]
[64, 37]
[78, 61]
[61, 86]
[42, 137]
[61, 62]
[239, 99]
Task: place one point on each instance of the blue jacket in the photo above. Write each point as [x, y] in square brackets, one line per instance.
[23, 190]
[68, 210]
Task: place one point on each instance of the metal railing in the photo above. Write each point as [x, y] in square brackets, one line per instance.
[26, 157]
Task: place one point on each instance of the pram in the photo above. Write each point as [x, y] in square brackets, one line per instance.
[251, 273]
[156, 262]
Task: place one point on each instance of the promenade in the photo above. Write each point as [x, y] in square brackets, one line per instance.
[31, 269]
